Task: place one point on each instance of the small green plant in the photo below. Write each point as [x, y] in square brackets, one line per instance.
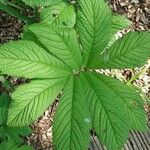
[10, 136]
[16, 7]
[61, 54]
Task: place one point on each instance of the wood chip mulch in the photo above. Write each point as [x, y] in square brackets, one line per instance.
[10, 28]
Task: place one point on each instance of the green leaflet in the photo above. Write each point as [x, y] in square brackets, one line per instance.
[31, 100]
[109, 117]
[25, 147]
[11, 146]
[72, 122]
[9, 133]
[27, 59]
[119, 22]
[29, 36]
[61, 14]
[130, 51]
[8, 146]
[3, 1]
[115, 109]
[61, 42]
[94, 26]
[13, 133]
[4, 103]
[41, 2]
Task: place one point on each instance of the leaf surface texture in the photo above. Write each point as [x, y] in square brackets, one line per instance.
[61, 42]
[32, 99]
[130, 51]
[40, 2]
[72, 123]
[61, 14]
[113, 107]
[94, 26]
[27, 59]
[119, 22]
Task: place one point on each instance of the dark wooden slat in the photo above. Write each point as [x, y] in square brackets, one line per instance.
[144, 142]
[147, 137]
[95, 144]
[137, 141]
[129, 146]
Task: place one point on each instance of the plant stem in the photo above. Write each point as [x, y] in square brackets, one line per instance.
[36, 13]
[146, 99]
[13, 5]
[10, 10]
[139, 73]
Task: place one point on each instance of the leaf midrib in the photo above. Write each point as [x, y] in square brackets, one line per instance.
[104, 107]
[67, 48]
[33, 99]
[38, 62]
[77, 65]
[128, 49]
[93, 27]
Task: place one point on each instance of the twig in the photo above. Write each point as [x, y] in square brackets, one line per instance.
[139, 74]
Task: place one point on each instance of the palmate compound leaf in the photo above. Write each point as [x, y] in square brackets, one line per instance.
[61, 42]
[62, 14]
[94, 26]
[31, 100]
[113, 116]
[27, 59]
[72, 124]
[115, 108]
[130, 51]
[41, 2]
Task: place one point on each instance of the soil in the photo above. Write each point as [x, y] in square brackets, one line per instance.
[138, 11]
[10, 28]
